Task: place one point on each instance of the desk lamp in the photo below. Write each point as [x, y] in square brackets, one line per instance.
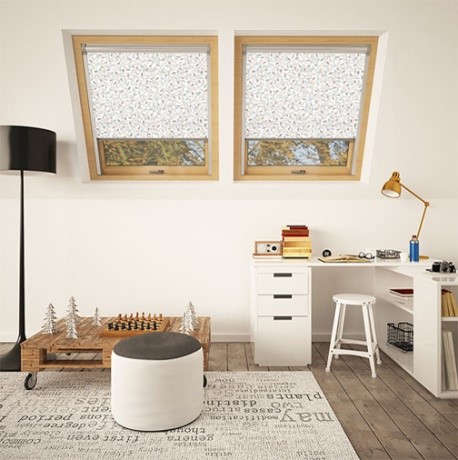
[392, 189]
[24, 149]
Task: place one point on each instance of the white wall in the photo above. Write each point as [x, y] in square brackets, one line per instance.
[155, 246]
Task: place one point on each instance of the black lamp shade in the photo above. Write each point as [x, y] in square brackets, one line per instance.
[23, 148]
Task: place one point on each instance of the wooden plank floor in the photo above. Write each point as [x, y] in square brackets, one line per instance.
[390, 417]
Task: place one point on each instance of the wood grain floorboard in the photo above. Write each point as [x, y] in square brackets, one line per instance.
[389, 417]
[364, 441]
[395, 442]
[398, 395]
[402, 413]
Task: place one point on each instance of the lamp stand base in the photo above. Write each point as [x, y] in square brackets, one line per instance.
[11, 361]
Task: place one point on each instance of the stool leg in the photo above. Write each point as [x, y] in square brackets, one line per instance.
[343, 311]
[333, 336]
[374, 335]
[367, 331]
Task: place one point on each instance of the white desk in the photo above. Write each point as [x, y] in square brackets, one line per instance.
[285, 292]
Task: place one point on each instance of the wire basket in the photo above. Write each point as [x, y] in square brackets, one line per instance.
[400, 335]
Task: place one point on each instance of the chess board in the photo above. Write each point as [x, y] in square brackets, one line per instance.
[129, 325]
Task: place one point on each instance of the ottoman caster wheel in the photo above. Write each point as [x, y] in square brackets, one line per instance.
[30, 381]
[205, 381]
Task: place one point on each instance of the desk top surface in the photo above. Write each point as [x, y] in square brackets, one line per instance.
[412, 269]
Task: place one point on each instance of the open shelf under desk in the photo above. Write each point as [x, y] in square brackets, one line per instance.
[389, 299]
[450, 319]
[402, 358]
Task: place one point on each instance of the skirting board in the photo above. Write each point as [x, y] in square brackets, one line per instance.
[225, 337]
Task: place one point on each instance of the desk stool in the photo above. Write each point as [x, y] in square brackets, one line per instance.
[365, 302]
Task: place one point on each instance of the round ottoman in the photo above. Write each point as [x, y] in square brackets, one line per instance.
[156, 381]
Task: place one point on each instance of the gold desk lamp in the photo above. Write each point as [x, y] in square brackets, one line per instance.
[392, 189]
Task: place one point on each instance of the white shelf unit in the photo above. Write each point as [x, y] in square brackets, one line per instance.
[425, 362]
[389, 310]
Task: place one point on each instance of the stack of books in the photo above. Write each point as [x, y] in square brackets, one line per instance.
[402, 295]
[296, 242]
[448, 303]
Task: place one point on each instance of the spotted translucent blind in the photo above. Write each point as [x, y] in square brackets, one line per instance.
[149, 93]
[303, 93]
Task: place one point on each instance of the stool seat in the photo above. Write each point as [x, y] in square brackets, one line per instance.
[354, 299]
[156, 381]
[366, 303]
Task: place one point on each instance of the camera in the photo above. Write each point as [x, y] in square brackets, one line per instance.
[448, 267]
[443, 267]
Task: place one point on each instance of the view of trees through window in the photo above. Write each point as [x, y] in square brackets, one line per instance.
[157, 152]
[298, 152]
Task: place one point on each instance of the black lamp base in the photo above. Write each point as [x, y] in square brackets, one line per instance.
[11, 361]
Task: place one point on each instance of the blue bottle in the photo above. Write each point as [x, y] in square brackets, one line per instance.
[414, 249]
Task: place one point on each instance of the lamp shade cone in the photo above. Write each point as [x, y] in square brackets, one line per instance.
[23, 148]
[392, 187]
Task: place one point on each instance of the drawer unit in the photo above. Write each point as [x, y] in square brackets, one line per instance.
[281, 314]
[283, 304]
[282, 282]
[282, 341]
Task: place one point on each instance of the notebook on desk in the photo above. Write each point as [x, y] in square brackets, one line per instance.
[344, 258]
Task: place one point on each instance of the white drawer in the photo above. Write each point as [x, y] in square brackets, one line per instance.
[283, 304]
[282, 282]
[282, 341]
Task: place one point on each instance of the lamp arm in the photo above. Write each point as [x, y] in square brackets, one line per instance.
[422, 219]
[426, 203]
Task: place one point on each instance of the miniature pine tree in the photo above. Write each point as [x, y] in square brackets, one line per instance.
[97, 321]
[193, 315]
[186, 323]
[72, 319]
[49, 326]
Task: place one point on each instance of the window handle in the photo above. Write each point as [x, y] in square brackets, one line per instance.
[158, 171]
[283, 275]
[300, 171]
[283, 296]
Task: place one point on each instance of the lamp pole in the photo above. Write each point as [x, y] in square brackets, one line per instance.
[21, 337]
[11, 361]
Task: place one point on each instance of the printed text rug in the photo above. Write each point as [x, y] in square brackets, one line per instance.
[246, 416]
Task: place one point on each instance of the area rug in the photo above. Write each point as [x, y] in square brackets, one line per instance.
[246, 416]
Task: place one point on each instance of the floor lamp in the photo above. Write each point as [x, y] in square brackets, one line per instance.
[24, 149]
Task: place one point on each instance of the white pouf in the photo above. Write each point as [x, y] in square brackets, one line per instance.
[157, 381]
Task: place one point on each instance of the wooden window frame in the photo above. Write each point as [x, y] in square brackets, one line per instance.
[97, 169]
[351, 172]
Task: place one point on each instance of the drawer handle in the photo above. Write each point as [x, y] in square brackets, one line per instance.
[283, 296]
[283, 318]
[283, 275]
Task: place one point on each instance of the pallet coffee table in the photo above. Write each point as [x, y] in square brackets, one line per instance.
[37, 352]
